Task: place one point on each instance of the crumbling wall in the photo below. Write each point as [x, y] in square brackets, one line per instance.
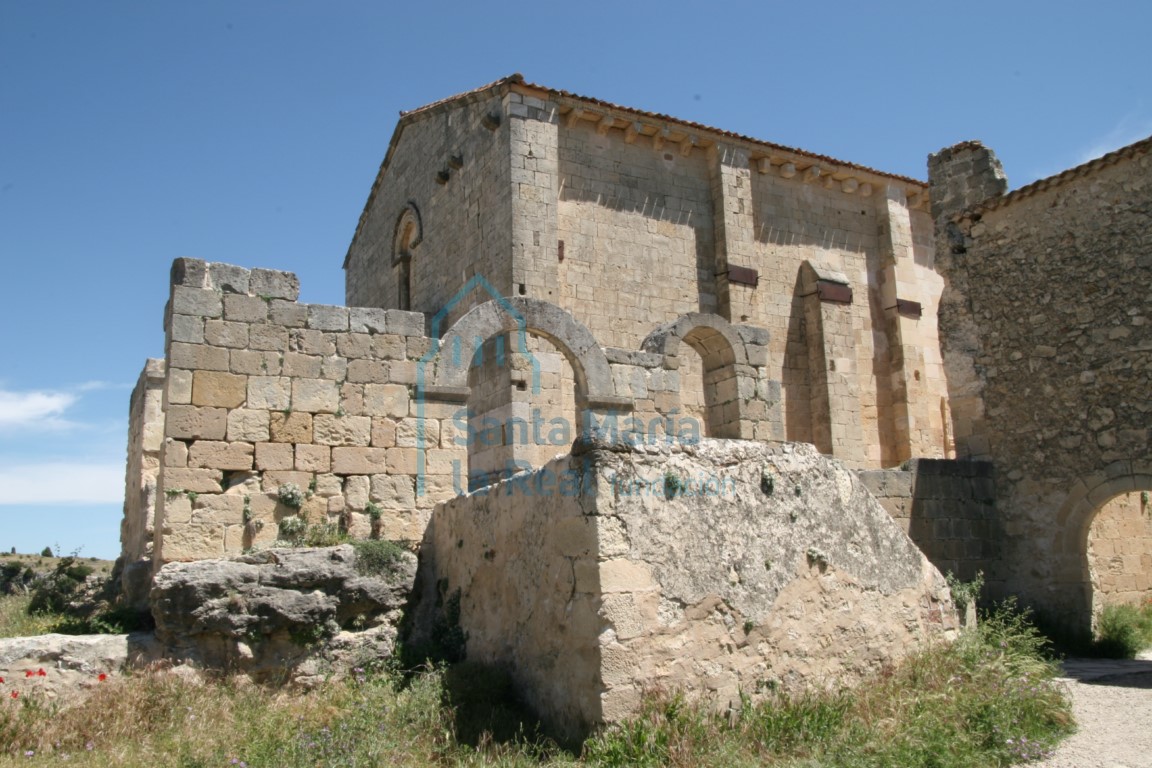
[145, 439]
[717, 568]
[1046, 330]
[263, 392]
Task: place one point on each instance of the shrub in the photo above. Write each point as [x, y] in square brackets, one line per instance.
[375, 557]
[1123, 631]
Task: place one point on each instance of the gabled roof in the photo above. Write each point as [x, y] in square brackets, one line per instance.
[1059, 179]
[569, 101]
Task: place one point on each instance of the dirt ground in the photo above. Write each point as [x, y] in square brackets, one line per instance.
[1112, 701]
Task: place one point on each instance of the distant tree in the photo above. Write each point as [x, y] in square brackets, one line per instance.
[47, 552]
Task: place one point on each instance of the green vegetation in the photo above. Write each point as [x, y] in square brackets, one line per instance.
[988, 699]
[1124, 631]
[965, 593]
[375, 557]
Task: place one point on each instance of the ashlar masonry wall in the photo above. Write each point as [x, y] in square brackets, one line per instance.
[262, 392]
[374, 422]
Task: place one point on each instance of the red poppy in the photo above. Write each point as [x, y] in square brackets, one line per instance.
[41, 673]
[1, 680]
[15, 694]
[28, 673]
[101, 677]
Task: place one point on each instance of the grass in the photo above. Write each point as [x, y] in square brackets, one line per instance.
[15, 620]
[1124, 630]
[987, 700]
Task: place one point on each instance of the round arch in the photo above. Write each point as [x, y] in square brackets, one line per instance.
[1086, 498]
[522, 314]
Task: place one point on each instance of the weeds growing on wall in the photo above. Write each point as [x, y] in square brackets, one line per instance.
[990, 699]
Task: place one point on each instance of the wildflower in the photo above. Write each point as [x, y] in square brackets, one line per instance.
[30, 753]
[1, 681]
[28, 673]
[101, 677]
[41, 673]
[89, 746]
[15, 694]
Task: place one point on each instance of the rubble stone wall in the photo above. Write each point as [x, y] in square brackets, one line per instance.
[1047, 331]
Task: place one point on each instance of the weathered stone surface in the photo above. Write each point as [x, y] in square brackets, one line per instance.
[186, 421]
[72, 664]
[708, 568]
[293, 427]
[255, 614]
[219, 389]
[273, 284]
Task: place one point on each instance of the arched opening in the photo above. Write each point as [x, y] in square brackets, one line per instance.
[522, 406]
[403, 263]
[406, 237]
[1119, 551]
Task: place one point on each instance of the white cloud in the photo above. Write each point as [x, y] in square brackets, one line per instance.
[23, 409]
[61, 483]
[1127, 131]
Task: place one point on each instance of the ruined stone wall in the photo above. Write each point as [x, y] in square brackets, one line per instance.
[947, 508]
[375, 422]
[145, 440]
[722, 568]
[1047, 335]
[262, 392]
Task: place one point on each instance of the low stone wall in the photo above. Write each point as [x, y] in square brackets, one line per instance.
[717, 568]
[947, 507]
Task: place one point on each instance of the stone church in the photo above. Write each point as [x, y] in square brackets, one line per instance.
[532, 266]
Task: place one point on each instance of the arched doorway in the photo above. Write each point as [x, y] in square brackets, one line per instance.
[1119, 551]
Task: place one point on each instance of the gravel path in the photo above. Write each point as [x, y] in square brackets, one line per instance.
[1112, 701]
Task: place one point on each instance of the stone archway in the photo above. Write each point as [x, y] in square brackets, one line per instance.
[491, 358]
[723, 359]
[1073, 566]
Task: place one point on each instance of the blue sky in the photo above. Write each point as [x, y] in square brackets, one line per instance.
[132, 133]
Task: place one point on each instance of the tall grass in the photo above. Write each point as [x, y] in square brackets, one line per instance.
[15, 621]
[989, 699]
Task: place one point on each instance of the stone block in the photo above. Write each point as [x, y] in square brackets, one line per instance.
[274, 284]
[315, 396]
[195, 480]
[213, 454]
[268, 337]
[197, 357]
[218, 508]
[366, 320]
[199, 302]
[329, 429]
[192, 273]
[175, 453]
[302, 366]
[274, 456]
[383, 432]
[386, 400]
[224, 333]
[245, 309]
[313, 458]
[324, 317]
[368, 371]
[394, 491]
[227, 278]
[288, 314]
[292, 427]
[186, 328]
[358, 461]
[248, 426]
[356, 491]
[254, 362]
[404, 323]
[271, 393]
[354, 345]
[189, 422]
[389, 347]
[179, 387]
[219, 389]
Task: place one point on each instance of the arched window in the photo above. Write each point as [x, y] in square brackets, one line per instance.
[407, 236]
